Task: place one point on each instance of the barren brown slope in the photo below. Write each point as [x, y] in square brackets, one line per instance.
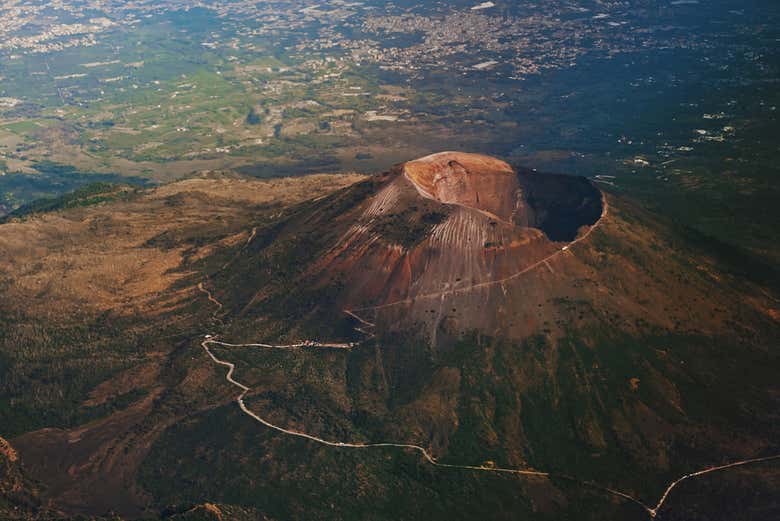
[445, 222]
[398, 254]
[472, 180]
[97, 303]
[404, 244]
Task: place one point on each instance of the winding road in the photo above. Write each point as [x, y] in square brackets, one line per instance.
[245, 389]
[425, 453]
[366, 328]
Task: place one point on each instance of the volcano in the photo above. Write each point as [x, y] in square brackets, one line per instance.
[455, 243]
[455, 307]
[551, 321]
[448, 229]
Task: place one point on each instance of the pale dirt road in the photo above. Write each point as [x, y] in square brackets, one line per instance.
[425, 453]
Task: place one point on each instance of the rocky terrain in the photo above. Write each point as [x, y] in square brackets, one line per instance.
[498, 318]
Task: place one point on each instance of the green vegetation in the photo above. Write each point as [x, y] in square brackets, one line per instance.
[89, 195]
[254, 117]
[46, 372]
[50, 188]
[22, 127]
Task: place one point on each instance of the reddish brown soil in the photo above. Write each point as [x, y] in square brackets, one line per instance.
[470, 180]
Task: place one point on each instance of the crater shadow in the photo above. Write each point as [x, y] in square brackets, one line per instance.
[560, 204]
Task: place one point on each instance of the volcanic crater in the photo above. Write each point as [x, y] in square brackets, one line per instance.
[454, 220]
[558, 205]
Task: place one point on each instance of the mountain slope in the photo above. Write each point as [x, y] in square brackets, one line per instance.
[495, 318]
[621, 349]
